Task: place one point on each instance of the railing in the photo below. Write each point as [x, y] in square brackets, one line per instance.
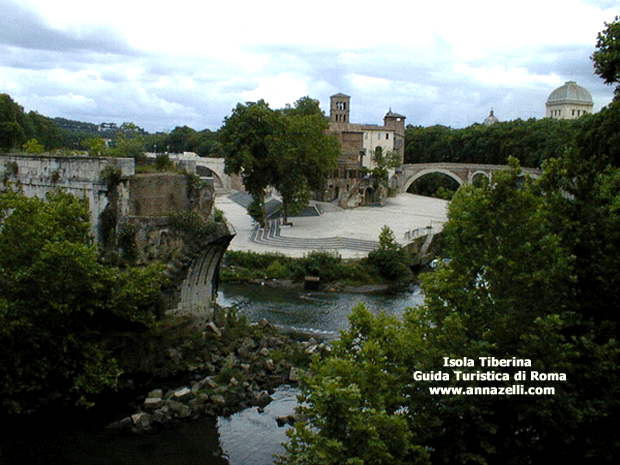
[418, 232]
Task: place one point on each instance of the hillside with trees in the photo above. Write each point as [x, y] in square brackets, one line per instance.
[18, 127]
[530, 142]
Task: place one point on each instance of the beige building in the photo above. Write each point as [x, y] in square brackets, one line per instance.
[359, 144]
[569, 102]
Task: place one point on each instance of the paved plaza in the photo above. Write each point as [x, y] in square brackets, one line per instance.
[350, 232]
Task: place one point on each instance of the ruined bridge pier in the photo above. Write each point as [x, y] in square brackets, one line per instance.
[147, 202]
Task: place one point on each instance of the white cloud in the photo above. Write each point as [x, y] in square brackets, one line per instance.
[278, 90]
[500, 75]
[369, 83]
[191, 62]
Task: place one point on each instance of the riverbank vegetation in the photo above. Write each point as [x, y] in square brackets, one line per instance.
[529, 280]
[75, 328]
[527, 299]
[58, 302]
[390, 264]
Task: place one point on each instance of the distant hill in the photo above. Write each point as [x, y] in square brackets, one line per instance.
[75, 126]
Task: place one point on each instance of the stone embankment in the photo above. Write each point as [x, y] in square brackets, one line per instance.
[231, 376]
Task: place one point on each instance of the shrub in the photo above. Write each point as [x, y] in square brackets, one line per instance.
[390, 260]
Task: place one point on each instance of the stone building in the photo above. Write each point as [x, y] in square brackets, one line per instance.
[347, 185]
[569, 101]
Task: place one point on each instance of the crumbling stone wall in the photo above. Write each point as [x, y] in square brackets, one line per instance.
[139, 218]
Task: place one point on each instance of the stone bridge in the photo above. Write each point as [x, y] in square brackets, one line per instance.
[213, 167]
[208, 167]
[463, 173]
[147, 202]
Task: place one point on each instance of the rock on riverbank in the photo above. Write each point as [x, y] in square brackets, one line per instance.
[237, 367]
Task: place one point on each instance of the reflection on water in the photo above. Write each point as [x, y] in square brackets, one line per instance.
[252, 436]
[247, 437]
[322, 313]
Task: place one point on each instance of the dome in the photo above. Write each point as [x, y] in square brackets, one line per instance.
[570, 92]
[491, 119]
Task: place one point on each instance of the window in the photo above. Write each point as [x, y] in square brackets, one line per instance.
[387, 135]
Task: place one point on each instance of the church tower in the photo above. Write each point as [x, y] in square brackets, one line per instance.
[396, 122]
[339, 108]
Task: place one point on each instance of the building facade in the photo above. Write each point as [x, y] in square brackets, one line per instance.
[569, 101]
[349, 184]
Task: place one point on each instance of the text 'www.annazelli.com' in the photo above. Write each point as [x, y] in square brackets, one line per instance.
[515, 390]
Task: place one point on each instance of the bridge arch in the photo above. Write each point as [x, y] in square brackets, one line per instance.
[424, 172]
[215, 166]
[462, 173]
[205, 171]
[475, 174]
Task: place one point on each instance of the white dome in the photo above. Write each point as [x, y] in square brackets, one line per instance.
[570, 93]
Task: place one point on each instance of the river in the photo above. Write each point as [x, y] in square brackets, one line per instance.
[247, 437]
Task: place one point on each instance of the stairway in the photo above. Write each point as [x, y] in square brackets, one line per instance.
[271, 236]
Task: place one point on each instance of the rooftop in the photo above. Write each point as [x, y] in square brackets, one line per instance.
[570, 92]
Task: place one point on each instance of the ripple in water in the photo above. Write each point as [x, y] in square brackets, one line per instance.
[251, 437]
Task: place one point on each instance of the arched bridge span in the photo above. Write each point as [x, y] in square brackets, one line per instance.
[463, 173]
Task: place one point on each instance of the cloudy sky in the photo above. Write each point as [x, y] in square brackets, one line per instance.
[189, 62]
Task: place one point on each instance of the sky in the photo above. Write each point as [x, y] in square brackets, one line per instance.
[189, 63]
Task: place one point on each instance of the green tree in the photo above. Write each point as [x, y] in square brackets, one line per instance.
[352, 401]
[288, 150]
[33, 147]
[391, 261]
[244, 137]
[58, 301]
[44, 130]
[510, 290]
[607, 56]
[305, 154]
[96, 146]
[11, 132]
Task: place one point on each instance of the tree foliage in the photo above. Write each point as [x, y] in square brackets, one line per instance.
[514, 288]
[184, 139]
[391, 261]
[18, 127]
[531, 142]
[607, 56]
[288, 150]
[57, 301]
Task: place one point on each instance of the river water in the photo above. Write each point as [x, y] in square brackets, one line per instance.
[247, 437]
[323, 314]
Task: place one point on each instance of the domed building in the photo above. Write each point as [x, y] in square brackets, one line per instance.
[491, 119]
[569, 102]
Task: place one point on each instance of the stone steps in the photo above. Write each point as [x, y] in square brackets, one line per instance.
[271, 236]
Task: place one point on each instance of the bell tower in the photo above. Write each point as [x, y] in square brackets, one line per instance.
[339, 108]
